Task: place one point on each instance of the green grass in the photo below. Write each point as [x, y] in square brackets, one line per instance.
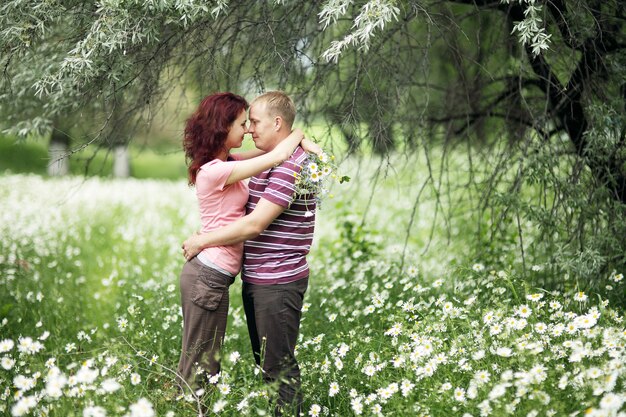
[148, 164]
[90, 269]
[30, 156]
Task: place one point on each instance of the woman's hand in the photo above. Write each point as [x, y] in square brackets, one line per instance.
[192, 246]
[311, 147]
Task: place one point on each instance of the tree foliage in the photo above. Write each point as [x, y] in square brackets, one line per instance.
[533, 92]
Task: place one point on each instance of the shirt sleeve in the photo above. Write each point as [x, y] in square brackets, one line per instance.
[282, 183]
[214, 174]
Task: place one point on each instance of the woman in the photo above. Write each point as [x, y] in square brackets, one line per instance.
[216, 127]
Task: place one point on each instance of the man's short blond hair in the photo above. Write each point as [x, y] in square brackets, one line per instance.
[280, 104]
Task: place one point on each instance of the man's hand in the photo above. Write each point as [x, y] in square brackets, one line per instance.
[192, 246]
[245, 228]
[311, 147]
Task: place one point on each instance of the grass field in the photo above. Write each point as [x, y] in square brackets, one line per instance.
[31, 156]
[90, 319]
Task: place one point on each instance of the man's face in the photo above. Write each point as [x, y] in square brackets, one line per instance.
[262, 127]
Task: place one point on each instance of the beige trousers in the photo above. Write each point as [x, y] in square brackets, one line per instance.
[204, 299]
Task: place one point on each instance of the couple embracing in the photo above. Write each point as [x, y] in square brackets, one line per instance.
[261, 224]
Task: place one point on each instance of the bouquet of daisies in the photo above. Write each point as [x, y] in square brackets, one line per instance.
[316, 175]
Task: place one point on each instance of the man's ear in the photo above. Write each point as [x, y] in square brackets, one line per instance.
[278, 123]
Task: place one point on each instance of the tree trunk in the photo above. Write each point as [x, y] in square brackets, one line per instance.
[121, 162]
[58, 154]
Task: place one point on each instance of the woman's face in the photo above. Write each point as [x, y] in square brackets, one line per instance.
[236, 132]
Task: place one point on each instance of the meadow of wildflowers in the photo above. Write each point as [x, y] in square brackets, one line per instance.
[90, 317]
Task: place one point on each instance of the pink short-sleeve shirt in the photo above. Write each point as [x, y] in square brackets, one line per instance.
[221, 204]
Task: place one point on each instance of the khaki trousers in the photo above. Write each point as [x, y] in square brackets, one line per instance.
[204, 299]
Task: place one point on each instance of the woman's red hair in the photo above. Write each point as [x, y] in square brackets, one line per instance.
[207, 129]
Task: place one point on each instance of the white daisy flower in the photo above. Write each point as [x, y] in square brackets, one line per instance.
[94, 411]
[534, 297]
[6, 345]
[142, 408]
[505, 352]
[135, 378]
[523, 311]
[459, 394]
[234, 357]
[224, 389]
[315, 410]
[7, 363]
[110, 385]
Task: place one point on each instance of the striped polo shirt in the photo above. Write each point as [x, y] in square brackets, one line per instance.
[278, 255]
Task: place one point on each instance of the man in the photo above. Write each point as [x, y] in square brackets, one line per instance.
[278, 232]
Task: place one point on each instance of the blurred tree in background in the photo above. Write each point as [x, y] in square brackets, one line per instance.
[532, 92]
